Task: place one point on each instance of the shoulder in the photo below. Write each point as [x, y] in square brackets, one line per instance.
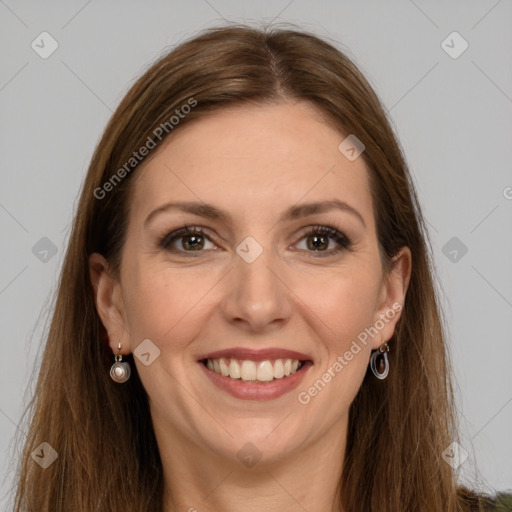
[473, 502]
[504, 502]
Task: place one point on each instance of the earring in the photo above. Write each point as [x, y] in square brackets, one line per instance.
[120, 371]
[379, 362]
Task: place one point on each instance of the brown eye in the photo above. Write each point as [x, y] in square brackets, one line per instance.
[318, 240]
[192, 240]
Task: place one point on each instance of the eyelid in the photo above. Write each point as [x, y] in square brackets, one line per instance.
[167, 239]
[344, 242]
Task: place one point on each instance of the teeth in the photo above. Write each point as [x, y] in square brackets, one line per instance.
[278, 369]
[234, 369]
[248, 370]
[287, 367]
[261, 371]
[224, 368]
[265, 371]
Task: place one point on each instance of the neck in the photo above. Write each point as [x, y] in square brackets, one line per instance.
[196, 480]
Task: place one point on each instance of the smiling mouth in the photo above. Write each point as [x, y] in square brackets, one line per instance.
[249, 371]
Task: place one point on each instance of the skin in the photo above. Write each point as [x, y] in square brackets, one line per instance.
[254, 162]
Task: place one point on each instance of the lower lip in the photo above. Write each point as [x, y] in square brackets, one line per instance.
[257, 391]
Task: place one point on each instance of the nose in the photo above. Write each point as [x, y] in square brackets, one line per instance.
[257, 298]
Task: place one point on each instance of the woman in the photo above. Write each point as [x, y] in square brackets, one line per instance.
[246, 316]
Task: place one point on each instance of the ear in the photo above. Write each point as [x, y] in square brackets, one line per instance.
[109, 303]
[392, 296]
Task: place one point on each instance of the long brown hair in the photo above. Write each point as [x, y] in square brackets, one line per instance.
[108, 459]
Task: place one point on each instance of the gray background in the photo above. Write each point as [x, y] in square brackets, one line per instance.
[453, 117]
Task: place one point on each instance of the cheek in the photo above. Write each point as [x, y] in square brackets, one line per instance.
[343, 308]
[344, 301]
[171, 304]
[160, 302]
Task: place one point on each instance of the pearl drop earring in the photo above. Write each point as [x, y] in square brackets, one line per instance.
[120, 371]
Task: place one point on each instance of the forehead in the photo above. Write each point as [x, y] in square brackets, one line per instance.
[253, 160]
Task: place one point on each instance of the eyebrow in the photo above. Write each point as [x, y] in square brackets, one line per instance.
[294, 212]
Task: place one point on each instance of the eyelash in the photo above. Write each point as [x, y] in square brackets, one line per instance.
[344, 243]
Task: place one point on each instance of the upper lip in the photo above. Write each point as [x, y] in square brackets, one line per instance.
[257, 355]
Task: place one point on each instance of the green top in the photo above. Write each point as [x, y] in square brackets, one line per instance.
[503, 502]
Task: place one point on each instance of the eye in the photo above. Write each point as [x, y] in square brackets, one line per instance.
[192, 240]
[318, 240]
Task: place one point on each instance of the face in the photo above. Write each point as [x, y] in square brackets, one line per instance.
[268, 289]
